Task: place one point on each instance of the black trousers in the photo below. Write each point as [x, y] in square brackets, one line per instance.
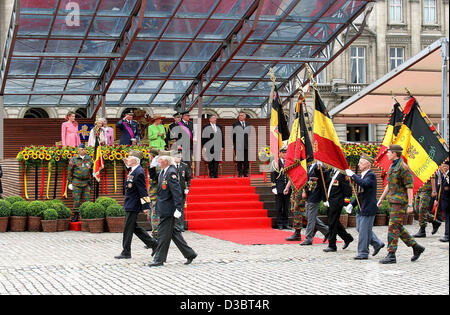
[166, 233]
[283, 203]
[131, 228]
[335, 226]
[243, 166]
[213, 167]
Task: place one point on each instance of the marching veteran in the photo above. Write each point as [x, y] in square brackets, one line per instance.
[136, 200]
[399, 192]
[80, 179]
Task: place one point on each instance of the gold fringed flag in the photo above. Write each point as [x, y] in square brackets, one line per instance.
[422, 150]
[326, 145]
[279, 130]
[299, 150]
[392, 129]
[98, 163]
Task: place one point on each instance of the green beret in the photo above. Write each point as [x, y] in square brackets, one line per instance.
[395, 148]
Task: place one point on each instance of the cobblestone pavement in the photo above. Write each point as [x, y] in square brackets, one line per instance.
[82, 263]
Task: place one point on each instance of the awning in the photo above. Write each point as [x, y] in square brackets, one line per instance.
[164, 52]
[421, 75]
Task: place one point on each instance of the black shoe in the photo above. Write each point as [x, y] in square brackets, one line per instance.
[280, 227]
[436, 225]
[417, 251]
[305, 242]
[330, 249]
[325, 238]
[156, 264]
[190, 259]
[390, 259]
[360, 258]
[347, 243]
[377, 250]
[76, 216]
[153, 249]
[295, 237]
[444, 240]
[286, 227]
[121, 256]
[421, 233]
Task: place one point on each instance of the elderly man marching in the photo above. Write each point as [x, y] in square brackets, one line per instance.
[367, 208]
[399, 192]
[136, 200]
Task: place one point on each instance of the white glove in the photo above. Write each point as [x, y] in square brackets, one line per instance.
[326, 204]
[349, 173]
[186, 191]
[177, 214]
[70, 186]
[319, 163]
[348, 208]
[274, 190]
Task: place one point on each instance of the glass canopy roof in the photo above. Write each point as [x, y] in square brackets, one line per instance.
[164, 52]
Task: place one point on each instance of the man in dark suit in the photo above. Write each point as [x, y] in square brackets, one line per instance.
[367, 199]
[169, 205]
[185, 140]
[338, 188]
[1, 187]
[241, 134]
[444, 188]
[174, 131]
[184, 177]
[213, 144]
[279, 181]
[136, 200]
[129, 130]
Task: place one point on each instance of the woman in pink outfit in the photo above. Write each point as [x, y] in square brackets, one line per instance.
[69, 131]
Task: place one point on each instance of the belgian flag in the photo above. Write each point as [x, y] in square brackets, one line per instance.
[279, 130]
[299, 150]
[392, 129]
[326, 145]
[423, 151]
[98, 163]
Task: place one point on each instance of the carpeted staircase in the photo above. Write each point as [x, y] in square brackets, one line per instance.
[224, 203]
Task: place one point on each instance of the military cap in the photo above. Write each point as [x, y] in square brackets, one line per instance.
[137, 154]
[367, 158]
[283, 149]
[164, 152]
[177, 115]
[154, 152]
[184, 113]
[128, 112]
[395, 148]
[175, 153]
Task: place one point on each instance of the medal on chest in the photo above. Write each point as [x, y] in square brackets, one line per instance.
[164, 184]
[130, 181]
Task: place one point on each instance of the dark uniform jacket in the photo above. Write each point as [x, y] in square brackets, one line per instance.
[445, 190]
[340, 189]
[1, 174]
[367, 195]
[168, 193]
[125, 137]
[316, 194]
[136, 195]
[184, 176]
[279, 181]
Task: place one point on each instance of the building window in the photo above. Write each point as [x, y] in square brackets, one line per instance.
[395, 11]
[396, 57]
[36, 113]
[321, 77]
[429, 11]
[357, 133]
[358, 64]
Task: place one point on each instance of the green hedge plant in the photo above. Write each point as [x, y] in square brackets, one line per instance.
[106, 201]
[83, 207]
[19, 209]
[36, 208]
[50, 214]
[115, 210]
[14, 199]
[5, 208]
[94, 211]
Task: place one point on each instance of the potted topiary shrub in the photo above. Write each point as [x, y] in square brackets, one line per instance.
[34, 211]
[18, 218]
[64, 215]
[13, 199]
[94, 214]
[381, 216]
[115, 218]
[50, 220]
[106, 201]
[5, 212]
[82, 209]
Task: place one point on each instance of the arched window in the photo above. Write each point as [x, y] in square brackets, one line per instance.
[81, 113]
[36, 113]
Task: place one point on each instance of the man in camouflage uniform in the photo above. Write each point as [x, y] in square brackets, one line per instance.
[80, 179]
[399, 191]
[154, 168]
[298, 212]
[422, 202]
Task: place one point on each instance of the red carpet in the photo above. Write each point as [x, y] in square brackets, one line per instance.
[264, 236]
[229, 209]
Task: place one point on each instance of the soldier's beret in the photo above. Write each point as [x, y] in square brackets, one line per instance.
[367, 158]
[395, 148]
[136, 153]
[154, 152]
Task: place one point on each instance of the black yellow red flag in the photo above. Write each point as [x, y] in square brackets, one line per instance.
[279, 130]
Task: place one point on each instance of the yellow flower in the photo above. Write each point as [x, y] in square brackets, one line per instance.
[48, 157]
[57, 158]
[41, 156]
[35, 156]
[26, 157]
[111, 158]
[119, 156]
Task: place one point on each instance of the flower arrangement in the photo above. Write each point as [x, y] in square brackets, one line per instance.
[353, 151]
[37, 155]
[265, 156]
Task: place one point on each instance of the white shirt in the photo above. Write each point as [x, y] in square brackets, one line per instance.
[214, 127]
[364, 173]
[133, 168]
